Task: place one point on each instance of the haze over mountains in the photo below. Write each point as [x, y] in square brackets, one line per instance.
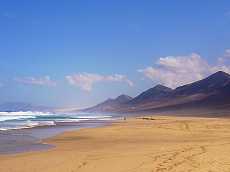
[212, 92]
[110, 104]
[21, 106]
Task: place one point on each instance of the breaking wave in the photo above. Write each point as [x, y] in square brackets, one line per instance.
[29, 119]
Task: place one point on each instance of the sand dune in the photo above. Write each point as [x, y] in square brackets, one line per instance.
[162, 144]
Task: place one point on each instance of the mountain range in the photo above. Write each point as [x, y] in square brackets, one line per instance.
[212, 93]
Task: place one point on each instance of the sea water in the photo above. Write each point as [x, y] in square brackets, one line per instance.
[24, 131]
[21, 120]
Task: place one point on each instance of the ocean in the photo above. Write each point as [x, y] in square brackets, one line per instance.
[24, 131]
[22, 120]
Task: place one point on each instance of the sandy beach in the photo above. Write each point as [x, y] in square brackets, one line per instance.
[152, 144]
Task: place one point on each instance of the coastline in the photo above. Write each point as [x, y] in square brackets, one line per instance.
[157, 143]
[17, 141]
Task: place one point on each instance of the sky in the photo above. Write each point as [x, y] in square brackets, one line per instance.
[77, 53]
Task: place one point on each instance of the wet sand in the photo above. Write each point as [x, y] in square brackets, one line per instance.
[153, 144]
[27, 140]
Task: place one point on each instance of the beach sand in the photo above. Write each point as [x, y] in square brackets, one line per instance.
[156, 144]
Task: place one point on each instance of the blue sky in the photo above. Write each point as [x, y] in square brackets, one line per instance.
[78, 53]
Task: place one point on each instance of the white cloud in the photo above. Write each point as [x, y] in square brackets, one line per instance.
[86, 80]
[42, 81]
[225, 58]
[227, 53]
[174, 71]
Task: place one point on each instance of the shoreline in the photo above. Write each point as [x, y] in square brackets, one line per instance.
[17, 141]
[160, 143]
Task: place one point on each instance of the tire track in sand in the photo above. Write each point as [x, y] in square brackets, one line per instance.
[168, 162]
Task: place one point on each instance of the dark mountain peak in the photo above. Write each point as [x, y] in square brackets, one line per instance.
[123, 98]
[110, 104]
[155, 93]
[108, 100]
[119, 100]
[160, 87]
[214, 82]
[219, 75]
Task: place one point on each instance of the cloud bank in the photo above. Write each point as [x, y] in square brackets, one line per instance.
[85, 81]
[42, 81]
[174, 71]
